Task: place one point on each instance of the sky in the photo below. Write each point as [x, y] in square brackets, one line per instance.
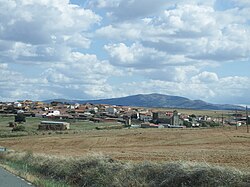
[91, 49]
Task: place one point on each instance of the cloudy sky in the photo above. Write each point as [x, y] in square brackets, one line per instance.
[82, 49]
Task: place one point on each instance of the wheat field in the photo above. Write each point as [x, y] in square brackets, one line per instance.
[219, 146]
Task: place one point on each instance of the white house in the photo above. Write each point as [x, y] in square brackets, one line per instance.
[111, 110]
[96, 109]
[53, 113]
[17, 104]
[145, 117]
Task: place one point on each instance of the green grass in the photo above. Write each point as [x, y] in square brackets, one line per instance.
[49, 183]
[87, 125]
[4, 120]
[23, 168]
[100, 170]
[6, 131]
[31, 126]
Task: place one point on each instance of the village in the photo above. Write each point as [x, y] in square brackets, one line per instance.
[120, 134]
[59, 116]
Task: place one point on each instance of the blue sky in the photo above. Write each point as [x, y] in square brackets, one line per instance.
[110, 48]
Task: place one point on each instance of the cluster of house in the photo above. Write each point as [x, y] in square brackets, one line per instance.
[134, 117]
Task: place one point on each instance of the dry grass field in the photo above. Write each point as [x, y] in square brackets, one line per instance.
[218, 146]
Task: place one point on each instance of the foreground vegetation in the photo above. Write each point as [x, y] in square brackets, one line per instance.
[99, 170]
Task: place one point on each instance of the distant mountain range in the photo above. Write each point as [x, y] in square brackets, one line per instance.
[156, 100]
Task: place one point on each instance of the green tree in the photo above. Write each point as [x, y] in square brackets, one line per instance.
[20, 117]
[187, 123]
[192, 116]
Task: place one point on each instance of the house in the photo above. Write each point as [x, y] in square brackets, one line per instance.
[145, 116]
[17, 105]
[171, 118]
[52, 113]
[111, 110]
[53, 125]
[38, 105]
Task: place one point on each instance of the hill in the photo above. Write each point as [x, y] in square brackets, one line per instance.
[157, 100]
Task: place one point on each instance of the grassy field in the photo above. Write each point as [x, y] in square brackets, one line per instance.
[31, 126]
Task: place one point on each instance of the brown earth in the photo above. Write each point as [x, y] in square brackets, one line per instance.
[219, 146]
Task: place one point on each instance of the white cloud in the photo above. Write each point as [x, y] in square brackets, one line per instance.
[83, 73]
[106, 4]
[173, 74]
[195, 31]
[122, 32]
[32, 25]
[77, 41]
[79, 76]
[205, 77]
[127, 10]
[59, 49]
[141, 57]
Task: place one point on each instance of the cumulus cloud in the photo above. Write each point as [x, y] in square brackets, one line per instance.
[121, 32]
[106, 4]
[193, 30]
[49, 33]
[81, 75]
[109, 48]
[141, 57]
[32, 25]
[85, 68]
[127, 10]
[205, 77]
[14, 85]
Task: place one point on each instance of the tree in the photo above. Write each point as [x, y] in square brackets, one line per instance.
[20, 117]
[192, 116]
[187, 123]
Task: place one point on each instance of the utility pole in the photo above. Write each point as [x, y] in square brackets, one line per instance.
[247, 119]
[236, 120]
[222, 119]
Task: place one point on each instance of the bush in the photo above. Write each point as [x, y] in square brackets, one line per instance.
[213, 124]
[209, 124]
[12, 124]
[187, 124]
[19, 128]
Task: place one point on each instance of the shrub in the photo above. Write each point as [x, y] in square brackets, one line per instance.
[209, 124]
[213, 124]
[19, 128]
[12, 124]
[187, 124]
